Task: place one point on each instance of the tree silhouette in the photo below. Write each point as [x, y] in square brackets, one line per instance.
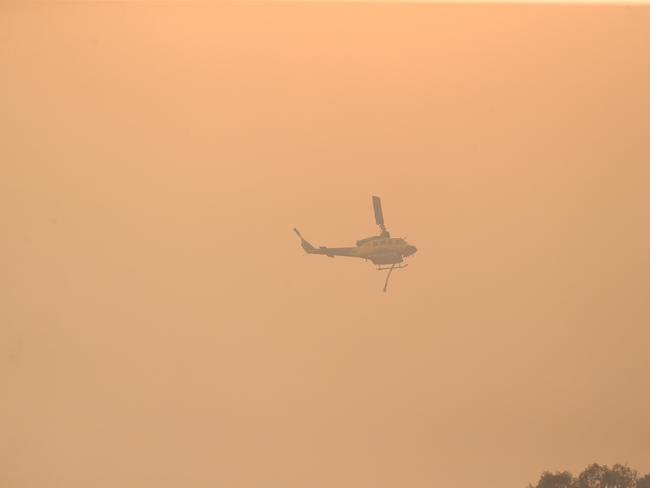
[595, 476]
[555, 480]
[591, 477]
[620, 476]
[643, 482]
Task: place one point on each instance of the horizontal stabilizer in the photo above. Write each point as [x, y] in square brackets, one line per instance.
[324, 250]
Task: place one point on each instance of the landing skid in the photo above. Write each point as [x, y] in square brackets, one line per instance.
[379, 268]
[390, 270]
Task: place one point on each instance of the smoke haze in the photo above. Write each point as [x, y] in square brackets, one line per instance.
[160, 324]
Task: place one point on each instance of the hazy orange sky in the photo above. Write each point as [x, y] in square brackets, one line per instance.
[161, 326]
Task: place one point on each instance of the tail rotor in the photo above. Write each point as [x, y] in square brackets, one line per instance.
[305, 245]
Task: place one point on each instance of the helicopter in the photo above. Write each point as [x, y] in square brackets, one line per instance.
[381, 249]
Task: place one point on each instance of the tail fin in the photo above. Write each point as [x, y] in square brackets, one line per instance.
[305, 245]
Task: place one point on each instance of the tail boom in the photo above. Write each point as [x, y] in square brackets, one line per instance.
[327, 251]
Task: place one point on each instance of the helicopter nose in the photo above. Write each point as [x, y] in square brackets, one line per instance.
[411, 250]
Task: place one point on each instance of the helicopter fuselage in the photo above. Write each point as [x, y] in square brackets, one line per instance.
[378, 249]
[384, 250]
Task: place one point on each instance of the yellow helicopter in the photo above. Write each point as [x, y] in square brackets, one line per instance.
[381, 250]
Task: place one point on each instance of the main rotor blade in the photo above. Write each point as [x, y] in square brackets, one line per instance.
[379, 215]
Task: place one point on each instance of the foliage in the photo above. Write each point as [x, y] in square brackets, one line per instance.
[555, 480]
[595, 476]
[643, 482]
